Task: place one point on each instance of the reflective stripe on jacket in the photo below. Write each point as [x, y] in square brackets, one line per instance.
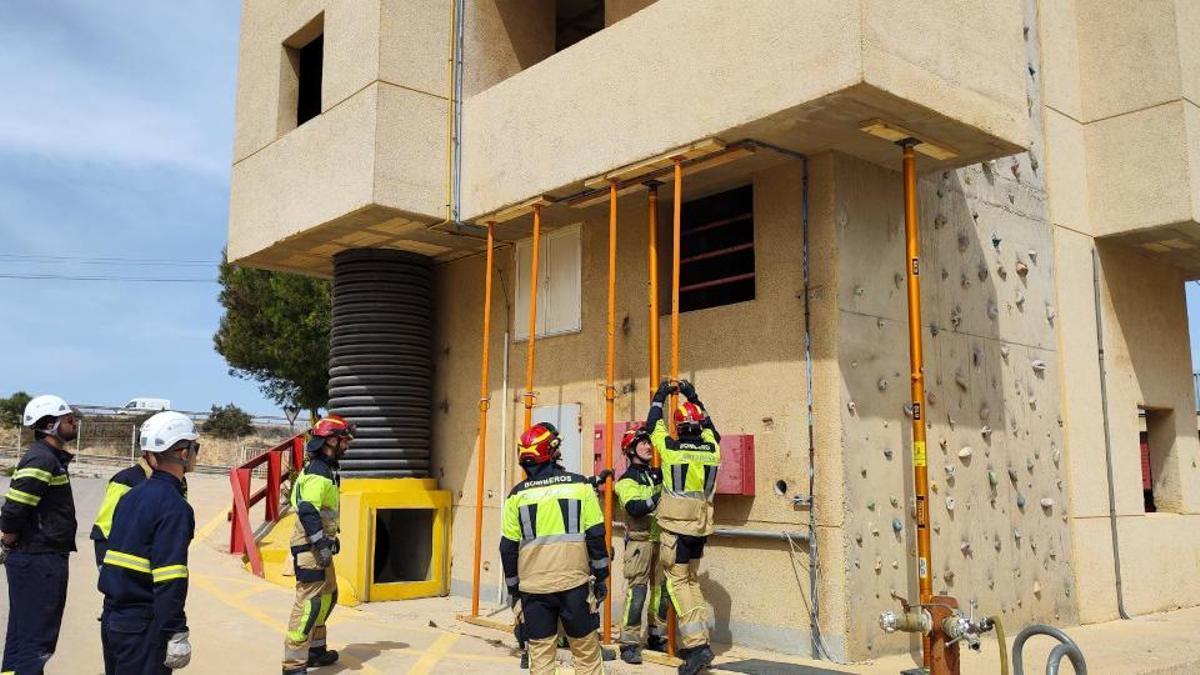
[118, 486]
[554, 525]
[317, 503]
[637, 490]
[39, 506]
[689, 469]
[145, 573]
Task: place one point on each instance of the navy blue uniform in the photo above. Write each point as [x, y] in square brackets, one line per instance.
[144, 577]
[40, 510]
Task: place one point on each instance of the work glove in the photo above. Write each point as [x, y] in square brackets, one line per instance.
[5, 549]
[600, 590]
[601, 478]
[323, 552]
[514, 595]
[688, 391]
[179, 651]
[664, 388]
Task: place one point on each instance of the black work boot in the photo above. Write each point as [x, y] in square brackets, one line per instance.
[696, 660]
[295, 671]
[631, 654]
[322, 657]
[656, 644]
[607, 654]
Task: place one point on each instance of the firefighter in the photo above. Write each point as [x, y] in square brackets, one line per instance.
[639, 490]
[554, 555]
[37, 533]
[144, 578]
[314, 542]
[118, 486]
[690, 461]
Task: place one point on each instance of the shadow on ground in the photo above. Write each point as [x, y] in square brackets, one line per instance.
[765, 667]
[363, 653]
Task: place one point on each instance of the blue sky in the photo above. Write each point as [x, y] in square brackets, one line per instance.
[115, 139]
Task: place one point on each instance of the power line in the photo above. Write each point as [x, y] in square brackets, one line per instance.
[89, 260]
[67, 277]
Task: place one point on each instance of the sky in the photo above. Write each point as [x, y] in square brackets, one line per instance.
[116, 131]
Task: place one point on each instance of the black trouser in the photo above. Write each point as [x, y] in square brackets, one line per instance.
[542, 614]
[37, 595]
[131, 647]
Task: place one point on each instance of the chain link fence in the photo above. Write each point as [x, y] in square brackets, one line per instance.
[117, 436]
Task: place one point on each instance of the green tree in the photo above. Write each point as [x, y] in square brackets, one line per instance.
[13, 407]
[275, 331]
[228, 421]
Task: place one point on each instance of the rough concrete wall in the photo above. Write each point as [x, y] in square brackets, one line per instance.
[615, 10]
[1147, 357]
[504, 37]
[747, 362]
[992, 420]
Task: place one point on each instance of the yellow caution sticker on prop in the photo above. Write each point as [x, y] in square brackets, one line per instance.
[919, 453]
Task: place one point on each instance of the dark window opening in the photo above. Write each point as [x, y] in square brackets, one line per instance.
[403, 545]
[1160, 472]
[716, 262]
[574, 20]
[1147, 482]
[308, 96]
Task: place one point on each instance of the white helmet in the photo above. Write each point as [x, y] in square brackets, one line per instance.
[46, 405]
[165, 429]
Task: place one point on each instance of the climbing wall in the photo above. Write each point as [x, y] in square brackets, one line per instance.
[1000, 536]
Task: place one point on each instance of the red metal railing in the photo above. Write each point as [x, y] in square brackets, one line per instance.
[241, 534]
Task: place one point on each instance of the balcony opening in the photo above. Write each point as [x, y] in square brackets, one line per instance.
[301, 75]
[1160, 480]
[574, 20]
[403, 545]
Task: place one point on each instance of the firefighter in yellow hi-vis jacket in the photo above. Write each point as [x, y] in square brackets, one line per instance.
[314, 542]
[639, 490]
[554, 555]
[690, 461]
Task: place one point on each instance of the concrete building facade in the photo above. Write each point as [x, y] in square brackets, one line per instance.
[1073, 135]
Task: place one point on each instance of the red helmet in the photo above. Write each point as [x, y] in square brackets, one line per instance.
[329, 427]
[539, 444]
[689, 413]
[633, 435]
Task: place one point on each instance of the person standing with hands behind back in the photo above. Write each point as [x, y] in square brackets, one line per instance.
[690, 460]
[144, 577]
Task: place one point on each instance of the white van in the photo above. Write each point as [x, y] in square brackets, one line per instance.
[141, 405]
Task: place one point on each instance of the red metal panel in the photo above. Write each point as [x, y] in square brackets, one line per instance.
[736, 476]
[1147, 484]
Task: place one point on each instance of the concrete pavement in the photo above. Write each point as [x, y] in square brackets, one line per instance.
[237, 622]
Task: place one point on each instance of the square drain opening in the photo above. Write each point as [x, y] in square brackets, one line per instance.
[403, 545]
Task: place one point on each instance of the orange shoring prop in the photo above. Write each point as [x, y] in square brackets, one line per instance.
[676, 228]
[533, 289]
[609, 395]
[483, 410]
[917, 369]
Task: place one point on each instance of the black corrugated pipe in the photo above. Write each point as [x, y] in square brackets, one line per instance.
[381, 360]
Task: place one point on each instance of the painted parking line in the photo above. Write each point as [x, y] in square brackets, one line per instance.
[433, 654]
[266, 619]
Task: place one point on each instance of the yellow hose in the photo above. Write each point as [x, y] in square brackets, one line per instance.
[1003, 644]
